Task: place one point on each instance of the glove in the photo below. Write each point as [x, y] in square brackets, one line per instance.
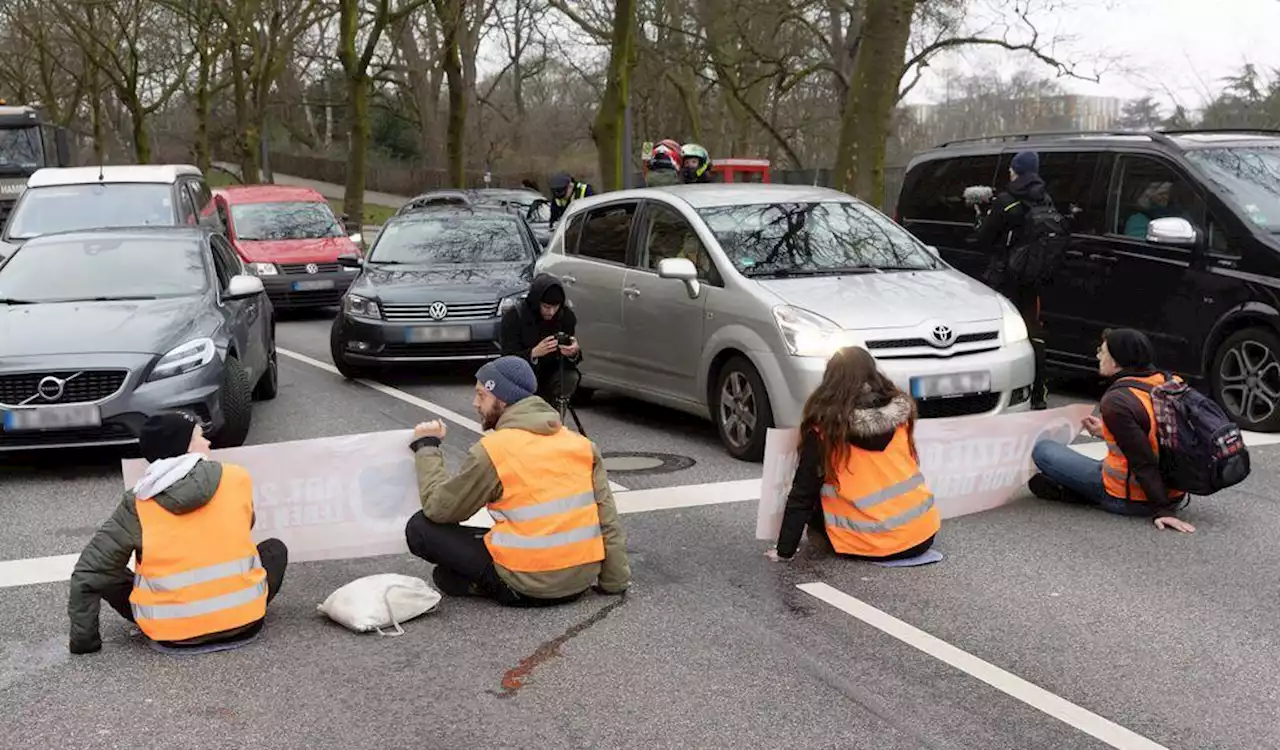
[85, 646]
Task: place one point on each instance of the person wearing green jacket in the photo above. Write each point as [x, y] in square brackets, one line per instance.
[556, 532]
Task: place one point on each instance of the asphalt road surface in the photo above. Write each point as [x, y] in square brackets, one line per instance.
[1045, 626]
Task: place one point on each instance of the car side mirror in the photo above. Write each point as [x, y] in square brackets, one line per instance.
[244, 286]
[350, 261]
[1174, 231]
[681, 269]
[356, 237]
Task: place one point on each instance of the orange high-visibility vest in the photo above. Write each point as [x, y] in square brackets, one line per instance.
[546, 518]
[1116, 478]
[879, 504]
[199, 573]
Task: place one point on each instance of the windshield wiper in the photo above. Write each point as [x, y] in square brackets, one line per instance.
[8, 301]
[786, 272]
[387, 262]
[106, 299]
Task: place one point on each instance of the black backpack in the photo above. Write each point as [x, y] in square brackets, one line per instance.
[1044, 240]
[1201, 451]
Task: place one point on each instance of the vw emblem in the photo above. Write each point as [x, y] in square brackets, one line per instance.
[50, 388]
[943, 336]
[313, 268]
[437, 310]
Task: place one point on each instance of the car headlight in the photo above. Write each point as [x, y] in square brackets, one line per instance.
[514, 300]
[808, 334]
[1013, 326]
[361, 307]
[183, 359]
[263, 269]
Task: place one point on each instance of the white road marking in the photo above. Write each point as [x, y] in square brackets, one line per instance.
[408, 398]
[38, 570]
[1033, 695]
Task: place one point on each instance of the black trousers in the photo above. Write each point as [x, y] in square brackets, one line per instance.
[275, 558]
[818, 526]
[460, 551]
[1027, 300]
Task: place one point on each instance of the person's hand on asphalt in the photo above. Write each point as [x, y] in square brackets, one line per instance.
[544, 347]
[1177, 524]
[1092, 425]
[772, 554]
[433, 429]
[571, 350]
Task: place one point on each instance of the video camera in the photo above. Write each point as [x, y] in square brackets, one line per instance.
[979, 196]
[563, 339]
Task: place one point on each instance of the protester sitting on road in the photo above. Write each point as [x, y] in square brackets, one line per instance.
[530, 330]
[199, 579]
[556, 530]
[564, 190]
[858, 484]
[1128, 481]
[664, 165]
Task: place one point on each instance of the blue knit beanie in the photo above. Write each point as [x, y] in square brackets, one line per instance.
[510, 379]
[1025, 162]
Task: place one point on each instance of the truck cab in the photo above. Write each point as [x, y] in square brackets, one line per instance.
[27, 143]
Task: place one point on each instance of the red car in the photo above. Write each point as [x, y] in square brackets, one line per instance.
[289, 237]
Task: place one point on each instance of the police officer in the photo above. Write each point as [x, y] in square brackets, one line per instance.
[564, 190]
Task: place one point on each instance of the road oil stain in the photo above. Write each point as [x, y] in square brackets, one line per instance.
[513, 679]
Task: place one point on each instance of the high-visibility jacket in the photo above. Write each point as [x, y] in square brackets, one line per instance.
[546, 518]
[879, 504]
[1117, 480]
[579, 191]
[199, 573]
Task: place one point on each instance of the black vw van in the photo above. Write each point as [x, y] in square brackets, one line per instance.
[1176, 234]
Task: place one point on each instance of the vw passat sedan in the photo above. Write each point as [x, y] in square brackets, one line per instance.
[727, 301]
[433, 288]
[102, 329]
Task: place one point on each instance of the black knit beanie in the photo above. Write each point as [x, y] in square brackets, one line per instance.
[166, 435]
[1130, 348]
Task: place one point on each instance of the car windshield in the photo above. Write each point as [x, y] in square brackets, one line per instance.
[785, 239]
[106, 268]
[67, 208]
[19, 149]
[295, 220]
[1250, 179]
[428, 240]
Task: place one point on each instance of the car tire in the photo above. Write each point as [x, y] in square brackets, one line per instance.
[741, 410]
[347, 370]
[1246, 379]
[269, 384]
[237, 406]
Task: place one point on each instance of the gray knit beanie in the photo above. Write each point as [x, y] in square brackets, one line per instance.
[510, 379]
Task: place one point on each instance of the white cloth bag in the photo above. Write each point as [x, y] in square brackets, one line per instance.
[380, 601]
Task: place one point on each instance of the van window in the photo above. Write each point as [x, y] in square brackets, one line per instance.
[186, 206]
[1068, 176]
[1146, 188]
[606, 231]
[572, 234]
[671, 236]
[935, 191]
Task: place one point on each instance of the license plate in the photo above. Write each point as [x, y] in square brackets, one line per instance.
[951, 384]
[53, 417]
[311, 286]
[437, 333]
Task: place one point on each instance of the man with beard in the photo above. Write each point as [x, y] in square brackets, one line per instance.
[529, 331]
[555, 532]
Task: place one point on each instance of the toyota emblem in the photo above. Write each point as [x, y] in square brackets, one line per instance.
[943, 336]
[50, 388]
[437, 310]
[313, 268]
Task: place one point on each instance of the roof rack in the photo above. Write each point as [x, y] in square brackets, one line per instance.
[1156, 136]
[1193, 131]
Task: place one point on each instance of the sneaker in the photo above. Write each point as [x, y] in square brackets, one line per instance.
[1046, 489]
[451, 584]
[1040, 401]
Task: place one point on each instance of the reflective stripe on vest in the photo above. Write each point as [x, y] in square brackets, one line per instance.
[199, 572]
[879, 503]
[1117, 480]
[547, 518]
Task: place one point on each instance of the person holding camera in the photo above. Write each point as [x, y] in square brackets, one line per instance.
[541, 332]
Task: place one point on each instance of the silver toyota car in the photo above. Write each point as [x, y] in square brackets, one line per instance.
[726, 301]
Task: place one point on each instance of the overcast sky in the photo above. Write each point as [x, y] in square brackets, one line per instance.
[1184, 46]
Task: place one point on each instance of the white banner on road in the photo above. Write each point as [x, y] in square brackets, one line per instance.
[327, 498]
[971, 463]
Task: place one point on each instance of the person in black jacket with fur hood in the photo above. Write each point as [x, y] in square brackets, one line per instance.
[529, 331]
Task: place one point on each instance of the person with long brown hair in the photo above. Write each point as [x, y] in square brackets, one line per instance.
[858, 484]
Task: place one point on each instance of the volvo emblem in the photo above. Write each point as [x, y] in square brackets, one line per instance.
[437, 310]
[313, 268]
[943, 336]
[50, 388]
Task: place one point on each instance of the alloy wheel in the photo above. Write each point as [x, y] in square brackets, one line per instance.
[1249, 378]
[738, 409]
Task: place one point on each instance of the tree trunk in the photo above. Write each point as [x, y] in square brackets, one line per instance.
[141, 142]
[246, 133]
[450, 14]
[204, 154]
[868, 111]
[359, 130]
[607, 130]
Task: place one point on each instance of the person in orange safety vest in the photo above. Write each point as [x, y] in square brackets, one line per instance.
[555, 532]
[858, 484]
[199, 580]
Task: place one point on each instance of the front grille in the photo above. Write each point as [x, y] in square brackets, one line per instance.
[442, 351]
[294, 269]
[89, 385]
[456, 311]
[958, 406]
[964, 338]
[107, 433]
[316, 298]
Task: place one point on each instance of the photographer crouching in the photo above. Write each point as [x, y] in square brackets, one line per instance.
[541, 331]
